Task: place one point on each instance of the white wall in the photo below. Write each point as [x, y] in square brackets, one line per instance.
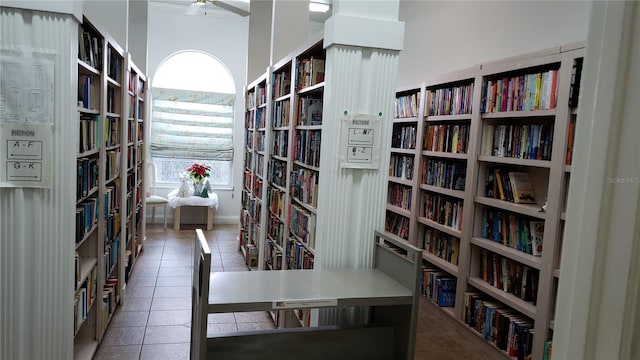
[226, 39]
[444, 36]
[138, 10]
[111, 16]
[259, 38]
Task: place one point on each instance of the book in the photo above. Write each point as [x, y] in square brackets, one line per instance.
[522, 188]
[536, 233]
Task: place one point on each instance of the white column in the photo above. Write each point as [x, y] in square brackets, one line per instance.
[360, 77]
[597, 304]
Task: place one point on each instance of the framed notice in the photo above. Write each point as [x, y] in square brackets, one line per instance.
[360, 141]
[26, 155]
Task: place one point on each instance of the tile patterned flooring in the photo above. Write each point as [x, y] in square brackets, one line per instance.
[154, 321]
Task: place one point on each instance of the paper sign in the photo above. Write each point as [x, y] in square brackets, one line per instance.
[360, 141]
[26, 155]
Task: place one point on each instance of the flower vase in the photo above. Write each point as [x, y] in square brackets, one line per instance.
[197, 189]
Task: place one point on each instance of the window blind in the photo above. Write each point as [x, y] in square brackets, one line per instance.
[192, 124]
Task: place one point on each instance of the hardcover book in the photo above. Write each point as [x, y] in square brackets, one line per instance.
[522, 188]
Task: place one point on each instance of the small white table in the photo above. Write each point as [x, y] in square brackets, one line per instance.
[177, 202]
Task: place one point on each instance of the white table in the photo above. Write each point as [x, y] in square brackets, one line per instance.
[176, 202]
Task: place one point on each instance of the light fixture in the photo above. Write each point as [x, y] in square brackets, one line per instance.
[318, 7]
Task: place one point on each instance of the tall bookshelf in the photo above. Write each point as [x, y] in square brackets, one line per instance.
[491, 256]
[109, 182]
[253, 197]
[133, 166]
[283, 125]
[101, 72]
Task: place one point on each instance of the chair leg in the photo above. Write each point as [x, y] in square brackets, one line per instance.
[164, 215]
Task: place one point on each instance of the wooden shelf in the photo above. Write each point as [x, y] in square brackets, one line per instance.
[445, 155]
[449, 192]
[532, 210]
[440, 118]
[399, 210]
[519, 114]
[510, 300]
[511, 253]
[406, 120]
[445, 229]
[515, 161]
[441, 263]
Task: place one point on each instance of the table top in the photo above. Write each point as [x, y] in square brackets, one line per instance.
[176, 201]
[266, 290]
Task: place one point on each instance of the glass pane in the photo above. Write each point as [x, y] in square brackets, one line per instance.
[168, 170]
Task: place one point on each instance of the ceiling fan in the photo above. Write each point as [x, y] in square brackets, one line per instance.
[198, 4]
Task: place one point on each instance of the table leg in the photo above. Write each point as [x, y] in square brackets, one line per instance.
[209, 218]
[176, 218]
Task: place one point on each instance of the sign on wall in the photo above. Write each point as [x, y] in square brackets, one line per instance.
[360, 141]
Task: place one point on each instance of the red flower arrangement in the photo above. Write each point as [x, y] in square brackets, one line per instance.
[198, 172]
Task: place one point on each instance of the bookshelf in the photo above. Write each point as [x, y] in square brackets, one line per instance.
[134, 166]
[109, 182]
[253, 197]
[283, 126]
[489, 252]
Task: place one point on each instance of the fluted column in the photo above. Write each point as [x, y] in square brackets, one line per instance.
[360, 78]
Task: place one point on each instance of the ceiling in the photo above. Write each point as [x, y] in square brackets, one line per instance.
[180, 6]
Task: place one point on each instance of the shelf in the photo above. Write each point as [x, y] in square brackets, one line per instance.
[311, 89]
[112, 179]
[263, 105]
[299, 163]
[113, 82]
[406, 120]
[306, 206]
[86, 265]
[445, 155]
[515, 161]
[85, 68]
[282, 98]
[88, 111]
[567, 168]
[441, 263]
[308, 127]
[403, 151]
[532, 210]
[445, 229]
[489, 343]
[112, 147]
[459, 117]
[506, 251]
[88, 153]
[280, 128]
[87, 235]
[278, 187]
[399, 180]
[519, 114]
[399, 210]
[563, 215]
[89, 194]
[556, 273]
[449, 192]
[306, 246]
[510, 300]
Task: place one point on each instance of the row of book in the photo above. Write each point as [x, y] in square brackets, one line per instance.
[280, 143]
[87, 176]
[277, 173]
[309, 111]
[406, 106]
[261, 118]
[114, 61]
[307, 147]
[260, 141]
[513, 186]
[131, 130]
[281, 114]
[281, 84]
[135, 84]
[536, 91]
[112, 164]
[110, 256]
[131, 157]
[302, 225]
[248, 180]
[276, 230]
[448, 138]
[450, 101]
[112, 226]
[401, 166]
[248, 119]
[506, 329]
[84, 296]
[509, 275]
[112, 131]
[276, 200]
[310, 71]
[84, 92]
[261, 95]
[89, 133]
[248, 159]
[248, 139]
[444, 173]
[298, 256]
[110, 299]
[515, 231]
[442, 245]
[404, 137]
[113, 99]
[570, 139]
[438, 287]
[112, 198]
[86, 217]
[259, 169]
[257, 188]
[304, 186]
[90, 48]
[272, 257]
[533, 141]
[397, 224]
[443, 210]
[399, 195]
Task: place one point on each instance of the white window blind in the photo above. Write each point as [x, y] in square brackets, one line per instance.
[191, 124]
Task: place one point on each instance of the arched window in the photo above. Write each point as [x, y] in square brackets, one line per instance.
[192, 116]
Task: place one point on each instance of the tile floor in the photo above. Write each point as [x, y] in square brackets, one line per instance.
[154, 321]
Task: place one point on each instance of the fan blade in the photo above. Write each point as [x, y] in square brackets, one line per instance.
[229, 7]
[194, 8]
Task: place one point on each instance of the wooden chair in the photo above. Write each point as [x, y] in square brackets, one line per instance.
[152, 200]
